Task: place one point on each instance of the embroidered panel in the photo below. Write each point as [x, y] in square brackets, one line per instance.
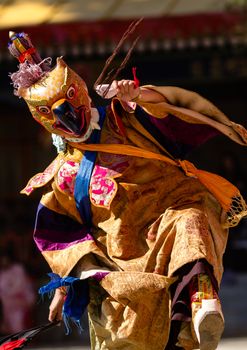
[66, 177]
[42, 179]
[103, 187]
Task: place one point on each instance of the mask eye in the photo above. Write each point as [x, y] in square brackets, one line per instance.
[43, 109]
[71, 92]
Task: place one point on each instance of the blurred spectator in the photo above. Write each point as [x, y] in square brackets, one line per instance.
[16, 295]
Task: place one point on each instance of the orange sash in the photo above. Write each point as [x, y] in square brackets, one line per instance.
[224, 191]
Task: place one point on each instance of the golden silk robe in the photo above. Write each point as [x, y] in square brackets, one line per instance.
[148, 219]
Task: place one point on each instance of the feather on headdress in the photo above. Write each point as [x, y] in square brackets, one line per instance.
[31, 67]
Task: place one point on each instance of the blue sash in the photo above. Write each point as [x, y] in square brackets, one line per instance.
[83, 177]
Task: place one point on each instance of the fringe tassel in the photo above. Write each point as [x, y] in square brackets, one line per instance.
[224, 191]
[238, 210]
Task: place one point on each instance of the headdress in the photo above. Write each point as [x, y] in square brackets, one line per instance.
[58, 98]
[31, 67]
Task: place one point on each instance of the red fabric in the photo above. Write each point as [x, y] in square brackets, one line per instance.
[172, 27]
[15, 344]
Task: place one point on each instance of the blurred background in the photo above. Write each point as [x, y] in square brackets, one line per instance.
[198, 45]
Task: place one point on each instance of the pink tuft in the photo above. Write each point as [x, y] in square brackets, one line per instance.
[27, 75]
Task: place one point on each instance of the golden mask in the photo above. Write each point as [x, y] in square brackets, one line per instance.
[59, 101]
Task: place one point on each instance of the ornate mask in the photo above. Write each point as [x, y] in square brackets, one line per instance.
[60, 101]
[57, 98]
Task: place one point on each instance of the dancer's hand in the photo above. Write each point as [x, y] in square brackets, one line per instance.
[56, 306]
[126, 90]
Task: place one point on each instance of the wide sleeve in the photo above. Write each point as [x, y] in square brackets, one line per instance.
[176, 136]
[191, 108]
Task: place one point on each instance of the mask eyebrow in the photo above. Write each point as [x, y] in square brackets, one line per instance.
[35, 103]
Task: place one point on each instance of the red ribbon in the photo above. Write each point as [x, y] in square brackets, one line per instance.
[15, 344]
[136, 80]
[28, 52]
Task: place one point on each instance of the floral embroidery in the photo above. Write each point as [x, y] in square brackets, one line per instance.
[66, 176]
[103, 187]
[42, 179]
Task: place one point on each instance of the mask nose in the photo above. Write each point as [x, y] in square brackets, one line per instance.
[67, 116]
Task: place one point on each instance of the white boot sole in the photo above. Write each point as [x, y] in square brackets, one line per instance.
[209, 324]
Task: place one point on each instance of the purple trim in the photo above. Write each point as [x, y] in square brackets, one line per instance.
[181, 304]
[45, 245]
[175, 135]
[54, 231]
[99, 275]
[178, 130]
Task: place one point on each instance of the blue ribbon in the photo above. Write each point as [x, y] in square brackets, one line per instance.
[83, 178]
[76, 300]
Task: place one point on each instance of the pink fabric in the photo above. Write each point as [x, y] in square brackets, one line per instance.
[66, 177]
[103, 187]
[17, 297]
